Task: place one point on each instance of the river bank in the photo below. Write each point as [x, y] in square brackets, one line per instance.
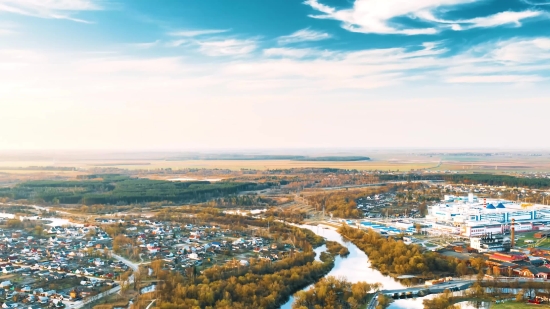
[356, 267]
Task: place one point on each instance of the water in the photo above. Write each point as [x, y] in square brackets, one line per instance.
[54, 221]
[416, 303]
[148, 289]
[354, 268]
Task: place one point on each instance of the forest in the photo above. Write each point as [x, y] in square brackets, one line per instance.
[121, 190]
[391, 256]
[302, 238]
[343, 203]
[262, 284]
[485, 179]
[334, 293]
[269, 157]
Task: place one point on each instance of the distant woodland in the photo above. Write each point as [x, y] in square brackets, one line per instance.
[335, 293]
[270, 157]
[121, 190]
[485, 179]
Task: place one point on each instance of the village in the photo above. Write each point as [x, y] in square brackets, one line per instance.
[52, 266]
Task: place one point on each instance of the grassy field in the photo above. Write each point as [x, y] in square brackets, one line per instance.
[402, 161]
[522, 237]
[514, 305]
[226, 164]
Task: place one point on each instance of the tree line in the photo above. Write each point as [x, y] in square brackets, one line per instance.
[261, 284]
[391, 256]
[334, 293]
[485, 179]
[120, 190]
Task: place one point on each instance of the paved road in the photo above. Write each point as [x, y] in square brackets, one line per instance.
[82, 303]
[373, 302]
[130, 264]
[151, 304]
[438, 288]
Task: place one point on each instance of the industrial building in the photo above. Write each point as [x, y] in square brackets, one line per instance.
[490, 243]
[477, 217]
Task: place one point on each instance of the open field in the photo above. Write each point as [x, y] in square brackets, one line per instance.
[224, 164]
[514, 305]
[387, 160]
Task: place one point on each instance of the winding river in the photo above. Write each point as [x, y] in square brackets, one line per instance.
[356, 267]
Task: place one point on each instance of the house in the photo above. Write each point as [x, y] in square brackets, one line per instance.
[48, 293]
[8, 270]
[5, 284]
[244, 263]
[509, 257]
[528, 272]
[26, 289]
[193, 256]
[9, 304]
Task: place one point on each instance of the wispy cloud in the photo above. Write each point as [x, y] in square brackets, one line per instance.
[145, 45]
[196, 33]
[7, 28]
[499, 19]
[535, 2]
[291, 52]
[229, 47]
[55, 9]
[378, 16]
[373, 16]
[303, 35]
[6, 31]
[522, 50]
[177, 43]
[507, 79]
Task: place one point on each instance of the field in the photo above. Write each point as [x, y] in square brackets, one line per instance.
[380, 160]
[514, 305]
[222, 164]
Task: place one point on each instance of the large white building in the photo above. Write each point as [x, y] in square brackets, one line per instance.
[477, 217]
[489, 243]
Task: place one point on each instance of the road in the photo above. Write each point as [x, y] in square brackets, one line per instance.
[82, 303]
[373, 302]
[128, 263]
[151, 304]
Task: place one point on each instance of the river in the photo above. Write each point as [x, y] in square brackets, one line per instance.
[356, 267]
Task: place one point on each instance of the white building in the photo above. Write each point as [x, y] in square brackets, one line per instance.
[476, 218]
[489, 243]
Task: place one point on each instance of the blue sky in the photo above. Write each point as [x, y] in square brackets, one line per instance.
[137, 74]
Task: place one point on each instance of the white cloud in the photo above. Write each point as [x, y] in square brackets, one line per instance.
[177, 43]
[195, 33]
[55, 9]
[50, 91]
[145, 45]
[114, 65]
[229, 47]
[522, 51]
[502, 18]
[295, 52]
[375, 16]
[499, 19]
[5, 31]
[535, 3]
[303, 35]
[476, 79]
[509, 61]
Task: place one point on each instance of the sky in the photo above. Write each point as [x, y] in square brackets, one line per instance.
[249, 74]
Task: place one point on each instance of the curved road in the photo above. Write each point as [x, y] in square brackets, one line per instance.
[81, 303]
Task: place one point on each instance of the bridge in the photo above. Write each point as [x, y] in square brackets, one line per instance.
[420, 291]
